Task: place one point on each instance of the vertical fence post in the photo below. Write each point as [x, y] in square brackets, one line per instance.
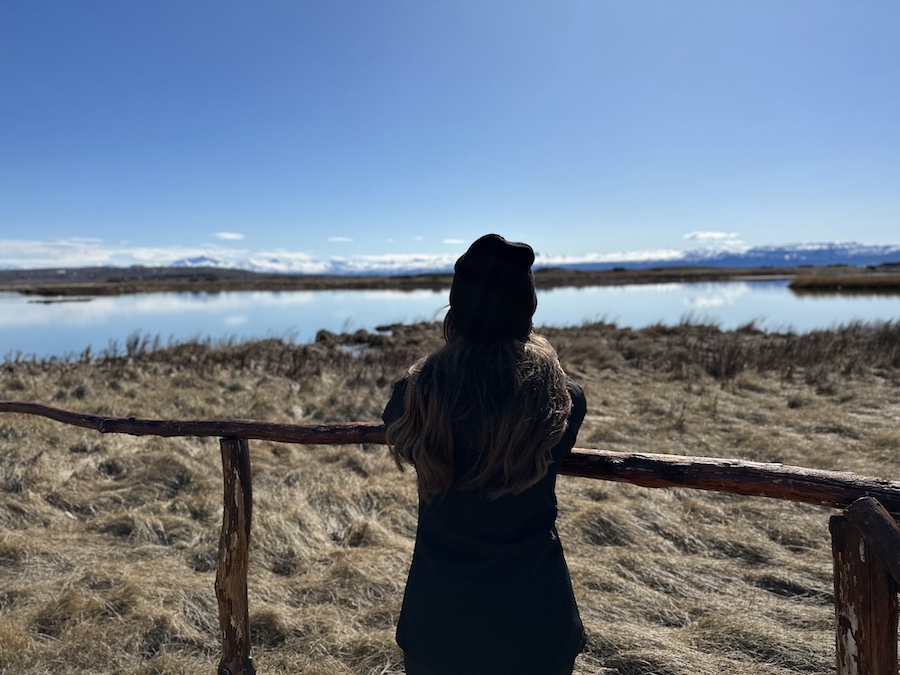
[231, 574]
[865, 604]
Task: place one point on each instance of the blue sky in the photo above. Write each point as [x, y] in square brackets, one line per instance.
[143, 132]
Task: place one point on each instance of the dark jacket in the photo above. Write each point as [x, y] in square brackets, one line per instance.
[488, 588]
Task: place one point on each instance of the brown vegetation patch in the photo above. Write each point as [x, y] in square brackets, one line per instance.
[108, 544]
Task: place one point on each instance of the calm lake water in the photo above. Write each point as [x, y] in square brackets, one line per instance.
[31, 327]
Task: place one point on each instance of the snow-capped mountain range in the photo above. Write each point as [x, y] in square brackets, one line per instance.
[790, 255]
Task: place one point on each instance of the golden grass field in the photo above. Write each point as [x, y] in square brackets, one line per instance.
[108, 542]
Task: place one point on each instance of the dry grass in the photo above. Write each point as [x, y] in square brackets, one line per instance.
[107, 543]
[848, 280]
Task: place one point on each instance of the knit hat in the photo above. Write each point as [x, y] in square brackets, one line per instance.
[492, 297]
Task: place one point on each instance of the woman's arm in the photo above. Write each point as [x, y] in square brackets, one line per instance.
[394, 408]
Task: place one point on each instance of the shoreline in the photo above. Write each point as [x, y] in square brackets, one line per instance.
[108, 281]
[104, 281]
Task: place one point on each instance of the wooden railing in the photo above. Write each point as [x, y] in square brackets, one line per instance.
[865, 539]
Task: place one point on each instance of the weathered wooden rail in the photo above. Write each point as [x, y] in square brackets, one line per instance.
[865, 539]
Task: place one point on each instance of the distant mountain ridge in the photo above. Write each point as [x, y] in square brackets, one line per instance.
[793, 255]
[790, 255]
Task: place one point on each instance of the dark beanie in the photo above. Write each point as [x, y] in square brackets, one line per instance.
[492, 297]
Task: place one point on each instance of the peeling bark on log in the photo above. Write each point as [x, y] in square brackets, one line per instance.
[865, 605]
[792, 483]
[231, 574]
[838, 489]
[248, 429]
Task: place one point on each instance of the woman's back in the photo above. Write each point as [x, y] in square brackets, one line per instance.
[488, 588]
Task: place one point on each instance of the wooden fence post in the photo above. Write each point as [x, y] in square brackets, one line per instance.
[231, 574]
[879, 529]
[865, 604]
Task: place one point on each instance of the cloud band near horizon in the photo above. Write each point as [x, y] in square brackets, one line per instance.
[85, 252]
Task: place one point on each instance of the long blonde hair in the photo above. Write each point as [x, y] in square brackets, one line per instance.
[512, 394]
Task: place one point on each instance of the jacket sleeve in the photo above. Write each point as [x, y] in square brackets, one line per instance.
[394, 408]
[576, 417]
[579, 408]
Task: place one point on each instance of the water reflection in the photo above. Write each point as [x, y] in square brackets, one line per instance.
[726, 304]
[230, 308]
[719, 297]
[35, 327]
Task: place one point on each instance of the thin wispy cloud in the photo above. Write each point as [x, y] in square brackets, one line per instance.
[340, 240]
[716, 240]
[711, 236]
[666, 255]
[81, 252]
[454, 241]
[229, 236]
[70, 252]
[392, 264]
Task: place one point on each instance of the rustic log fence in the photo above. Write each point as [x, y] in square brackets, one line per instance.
[865, 537]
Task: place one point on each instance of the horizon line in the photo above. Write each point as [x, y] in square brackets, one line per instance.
[76, 253]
